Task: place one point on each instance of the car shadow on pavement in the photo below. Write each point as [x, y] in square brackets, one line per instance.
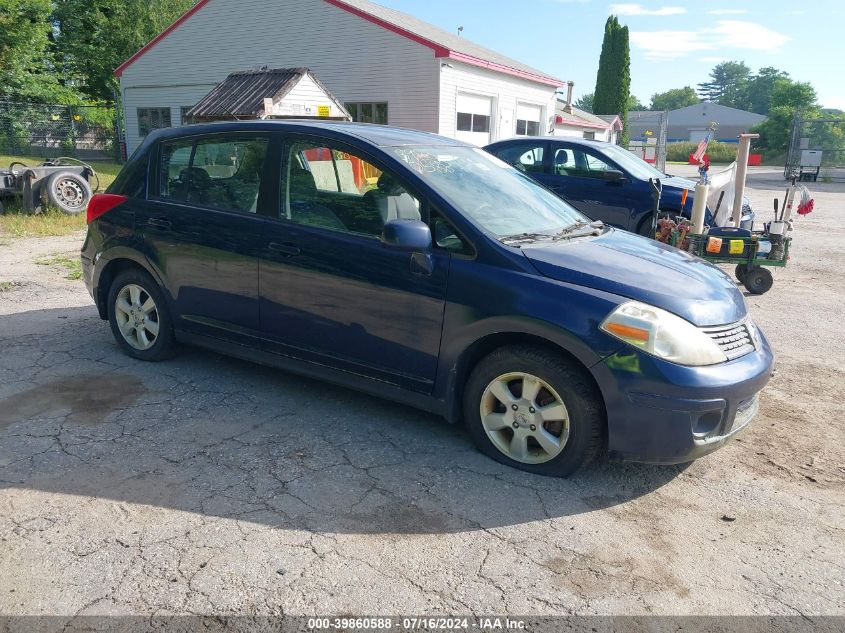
[213, 435]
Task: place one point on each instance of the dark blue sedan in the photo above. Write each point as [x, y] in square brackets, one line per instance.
[602, 180]
[429, 272]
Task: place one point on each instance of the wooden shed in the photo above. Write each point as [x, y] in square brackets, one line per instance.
[281, 93]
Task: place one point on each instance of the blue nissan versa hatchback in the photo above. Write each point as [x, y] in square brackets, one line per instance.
[429, 272]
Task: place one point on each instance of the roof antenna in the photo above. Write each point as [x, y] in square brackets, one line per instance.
[460, 30]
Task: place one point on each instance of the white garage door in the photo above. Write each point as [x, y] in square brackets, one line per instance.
[475, 118]
[528, 119]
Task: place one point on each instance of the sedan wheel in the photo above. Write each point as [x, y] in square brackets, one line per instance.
[525, 418]
[137, 317]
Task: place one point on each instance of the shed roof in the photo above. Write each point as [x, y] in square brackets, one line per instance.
[581, 118]
[443, 43]
[242, 93]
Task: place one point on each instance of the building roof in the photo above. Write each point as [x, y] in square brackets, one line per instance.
[242, 93]
[702, 114]
[581, 118]
[443, 43]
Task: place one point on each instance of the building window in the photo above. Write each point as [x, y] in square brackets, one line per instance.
[473, 122]
[590, 136]
[368, 112]
[150, 119]
[183, 115]
[527, 128]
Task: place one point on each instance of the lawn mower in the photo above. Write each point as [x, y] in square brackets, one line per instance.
[63, 183]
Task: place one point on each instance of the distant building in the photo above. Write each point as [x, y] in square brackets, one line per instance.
[572, 122]
[691, 123]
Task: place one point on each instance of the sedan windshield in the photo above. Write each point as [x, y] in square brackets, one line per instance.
[631, 163]
[491, 193]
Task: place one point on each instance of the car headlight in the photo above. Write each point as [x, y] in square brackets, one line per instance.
[662, 334]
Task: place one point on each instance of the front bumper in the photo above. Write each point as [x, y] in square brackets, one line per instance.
[662, 413]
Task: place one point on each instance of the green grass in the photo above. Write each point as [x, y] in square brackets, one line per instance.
[14, 223]
[8, 285]
[72, 265]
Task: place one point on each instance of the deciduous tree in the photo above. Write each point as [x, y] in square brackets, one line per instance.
[674, 99]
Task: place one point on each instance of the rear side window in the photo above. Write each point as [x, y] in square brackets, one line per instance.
[525, 157]
[132, 179]
[219, 173]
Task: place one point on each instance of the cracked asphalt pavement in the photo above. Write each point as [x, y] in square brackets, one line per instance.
[207, 485]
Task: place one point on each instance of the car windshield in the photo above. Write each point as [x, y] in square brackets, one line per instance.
[634, 165]
[491, 193]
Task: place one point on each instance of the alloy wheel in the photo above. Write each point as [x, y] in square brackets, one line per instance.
[525, 418]
[137, 317]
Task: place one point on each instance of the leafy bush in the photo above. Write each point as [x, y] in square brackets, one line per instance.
[718, 152]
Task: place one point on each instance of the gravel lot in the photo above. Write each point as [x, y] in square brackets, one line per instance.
[209, 485]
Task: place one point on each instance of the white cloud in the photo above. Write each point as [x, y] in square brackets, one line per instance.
[638, 9]
[731, 34]
[727, 11]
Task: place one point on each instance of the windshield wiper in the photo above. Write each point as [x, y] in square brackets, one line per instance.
[524, 237]
[595, 228]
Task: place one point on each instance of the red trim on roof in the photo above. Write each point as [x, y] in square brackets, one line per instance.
[580, 123]
[439, 51]
[507, 70]
[199, 5]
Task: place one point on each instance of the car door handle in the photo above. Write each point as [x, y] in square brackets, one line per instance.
[160, 223]
[284, 249]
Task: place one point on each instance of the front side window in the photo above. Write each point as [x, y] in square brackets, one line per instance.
[216, 173]
[150, 119]
[368, 112]
[331, 188]
[489, 192]
[578, 163]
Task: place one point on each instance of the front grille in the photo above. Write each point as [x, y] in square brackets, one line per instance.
[734, 340]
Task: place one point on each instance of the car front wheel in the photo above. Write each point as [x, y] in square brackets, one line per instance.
[534, 410]
[139, 319]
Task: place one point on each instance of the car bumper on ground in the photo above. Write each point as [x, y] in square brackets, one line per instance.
[663, 413]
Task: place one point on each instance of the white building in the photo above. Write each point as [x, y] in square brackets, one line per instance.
[384, 65]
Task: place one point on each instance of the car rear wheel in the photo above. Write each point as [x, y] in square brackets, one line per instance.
[139, 318]
[534, 410]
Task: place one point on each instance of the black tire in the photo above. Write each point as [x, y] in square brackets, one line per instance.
[758, 281]
[575, 389]
[740, 271]
[164, 344]
[68, 192]
[644, 228]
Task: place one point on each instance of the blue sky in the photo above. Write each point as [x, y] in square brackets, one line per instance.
[673, 43]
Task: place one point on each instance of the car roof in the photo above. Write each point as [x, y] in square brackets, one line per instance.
[378, 135]
[556, 139]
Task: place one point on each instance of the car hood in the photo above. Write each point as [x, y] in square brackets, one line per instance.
[676, 182]
[645, 270]
[679, 183]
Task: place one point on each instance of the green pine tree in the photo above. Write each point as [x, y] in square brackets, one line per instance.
[613, 80]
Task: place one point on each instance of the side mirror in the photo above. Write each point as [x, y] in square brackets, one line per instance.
[413, 236]
[613, 175]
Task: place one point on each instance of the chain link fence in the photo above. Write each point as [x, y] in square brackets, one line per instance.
[647, 132]
[46, 131]
[816, 149]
